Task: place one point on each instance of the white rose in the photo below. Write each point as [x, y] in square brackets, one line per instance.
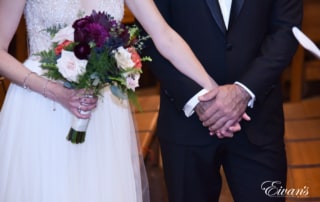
[66, 33]
[70, 66]
[132, 81]
[123, 58]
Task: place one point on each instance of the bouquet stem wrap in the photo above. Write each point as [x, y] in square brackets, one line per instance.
[77, 132]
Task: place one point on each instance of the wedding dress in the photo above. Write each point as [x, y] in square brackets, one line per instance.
[37, 163]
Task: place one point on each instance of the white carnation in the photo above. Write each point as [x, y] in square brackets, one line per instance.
[123, 58]
[70, 66]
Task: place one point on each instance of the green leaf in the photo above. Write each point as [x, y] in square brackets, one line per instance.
[134, 99]
[54, 29]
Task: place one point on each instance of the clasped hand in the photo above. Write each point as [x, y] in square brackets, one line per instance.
[222, 108]
[78, 102]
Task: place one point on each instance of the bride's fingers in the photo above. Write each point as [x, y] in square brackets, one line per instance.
[83, 99]
[81, 111]
[88, 107]
[88, 100]
[80, 103]
[89, 103]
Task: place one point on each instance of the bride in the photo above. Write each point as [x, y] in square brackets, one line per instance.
[37, 163]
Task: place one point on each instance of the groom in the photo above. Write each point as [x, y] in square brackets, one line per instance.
[244, 45]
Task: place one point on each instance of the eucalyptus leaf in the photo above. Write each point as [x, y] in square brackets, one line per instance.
[118, 92]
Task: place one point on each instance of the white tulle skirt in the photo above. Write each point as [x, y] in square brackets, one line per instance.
[38, 164]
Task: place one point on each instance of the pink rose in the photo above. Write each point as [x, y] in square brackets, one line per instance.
[70, 66]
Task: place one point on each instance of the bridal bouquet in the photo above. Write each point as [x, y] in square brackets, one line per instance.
[96, 51]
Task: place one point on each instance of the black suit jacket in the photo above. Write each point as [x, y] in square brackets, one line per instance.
[254, 50]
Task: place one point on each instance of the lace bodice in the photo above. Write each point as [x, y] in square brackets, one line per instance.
[43, 14]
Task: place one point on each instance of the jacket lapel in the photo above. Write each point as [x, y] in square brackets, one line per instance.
[216, 14]
[235, 10]
[214, 8]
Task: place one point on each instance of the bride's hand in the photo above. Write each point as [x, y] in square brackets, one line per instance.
[78, 102]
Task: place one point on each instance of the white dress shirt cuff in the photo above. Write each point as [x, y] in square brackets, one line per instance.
[253, 97]
[192, 103]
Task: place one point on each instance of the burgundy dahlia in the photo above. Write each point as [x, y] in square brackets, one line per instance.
[82, 51]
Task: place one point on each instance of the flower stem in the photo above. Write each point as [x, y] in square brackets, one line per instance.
[76, 137]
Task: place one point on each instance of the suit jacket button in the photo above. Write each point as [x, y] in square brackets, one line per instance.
[166, 92]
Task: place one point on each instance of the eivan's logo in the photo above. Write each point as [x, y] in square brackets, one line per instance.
[275, 189]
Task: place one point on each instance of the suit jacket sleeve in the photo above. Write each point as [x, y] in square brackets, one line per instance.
[277, 48]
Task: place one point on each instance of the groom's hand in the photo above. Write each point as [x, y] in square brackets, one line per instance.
[223, 107]
[201, 109]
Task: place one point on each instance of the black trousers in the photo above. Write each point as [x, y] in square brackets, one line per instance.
[192, 173]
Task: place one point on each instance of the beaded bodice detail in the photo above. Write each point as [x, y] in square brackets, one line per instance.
[43, 14]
